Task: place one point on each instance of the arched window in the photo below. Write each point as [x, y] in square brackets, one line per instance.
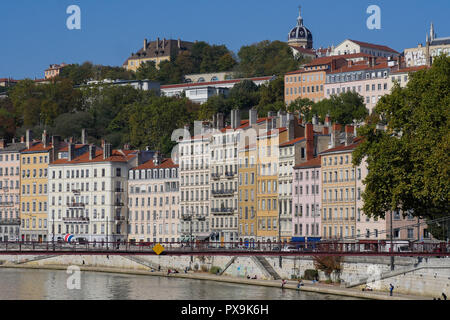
[201, 79]
[214, 78]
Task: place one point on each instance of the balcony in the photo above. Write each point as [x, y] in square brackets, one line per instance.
[83, 220]
[222, 193]
[75, 205]
[6, 204]
[215, 176]
[76, 191]
[118, 204]
[15, 222]
[121, 190]
[222, 210]
[229, 175]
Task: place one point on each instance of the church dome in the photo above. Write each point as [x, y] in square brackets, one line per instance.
[300, 35]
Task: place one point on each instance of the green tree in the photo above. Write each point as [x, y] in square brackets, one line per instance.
[301, 106]
[7, 119]
[266, 58]
[408, 163]
[244, 95]
[272, 92]
[147, 71]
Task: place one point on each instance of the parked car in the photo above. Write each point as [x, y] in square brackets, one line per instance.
[289, 249]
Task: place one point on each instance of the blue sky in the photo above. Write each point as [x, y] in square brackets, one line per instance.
[34, 33]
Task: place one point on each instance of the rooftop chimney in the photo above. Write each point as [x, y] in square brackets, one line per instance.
[179, 43]
[145, 44]
[235, 118]
[335, 131]
[22, 139]
[253, 116]
[2, 143]
[91, 152]
[349, 134]
[83, 136]
[315, 120]
[325, 130]
[157, 159]
[291, 128]
[29, 135]
[44, 138]
[309, 135]
[107, 150]
[220, 121]
[71, 151]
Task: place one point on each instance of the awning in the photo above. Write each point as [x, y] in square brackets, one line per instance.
[298, 239]
[202, 238]
[314, 239]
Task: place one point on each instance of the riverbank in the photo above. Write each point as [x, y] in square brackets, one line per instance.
[320, 288]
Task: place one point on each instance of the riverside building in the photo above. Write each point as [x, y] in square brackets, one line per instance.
[10, 190]
[194, 172]
[153, 202]
[34, 161]
[89, 191]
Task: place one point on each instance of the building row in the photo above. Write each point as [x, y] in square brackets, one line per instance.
[260, 179]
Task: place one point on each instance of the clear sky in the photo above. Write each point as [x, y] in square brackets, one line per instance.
[34, 33]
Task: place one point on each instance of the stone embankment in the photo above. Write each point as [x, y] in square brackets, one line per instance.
[411, 279]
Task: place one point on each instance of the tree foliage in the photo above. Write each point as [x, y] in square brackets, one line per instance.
[266, 58]
[342, 108]
[408, 163]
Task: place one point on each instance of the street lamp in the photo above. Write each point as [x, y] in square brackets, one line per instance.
[190, 218]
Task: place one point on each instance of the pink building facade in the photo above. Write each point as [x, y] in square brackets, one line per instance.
[10, 190]
[368, 78]
[306, 191]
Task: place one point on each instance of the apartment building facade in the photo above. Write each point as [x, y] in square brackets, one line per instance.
[154, 202]
[339, 185]
[307, 204]
[10, 190]
[89, 192]
[35, 160]
[194, 173]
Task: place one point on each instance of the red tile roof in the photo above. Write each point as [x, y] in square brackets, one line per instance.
[352, 146]
[373, 46]
[409, 69]
[359, 67]
[292, 142]
[116, 156]
[66, 148]
[37, 146]
[165, 163]
[313, 163]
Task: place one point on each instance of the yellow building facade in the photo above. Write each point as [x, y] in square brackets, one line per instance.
[34, 191]
[247, 194]
[338, 193]
[267, 213]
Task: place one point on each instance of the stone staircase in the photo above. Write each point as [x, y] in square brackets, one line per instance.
[397, 272]
[144, 262]
[229, 263]
[36, 258]
[266, 267]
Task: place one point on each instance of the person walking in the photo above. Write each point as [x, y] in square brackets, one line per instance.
[283, 282]
[299, 284]
[391, 289]
[444, 296]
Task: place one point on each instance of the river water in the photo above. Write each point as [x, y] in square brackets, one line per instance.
[32, 284]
